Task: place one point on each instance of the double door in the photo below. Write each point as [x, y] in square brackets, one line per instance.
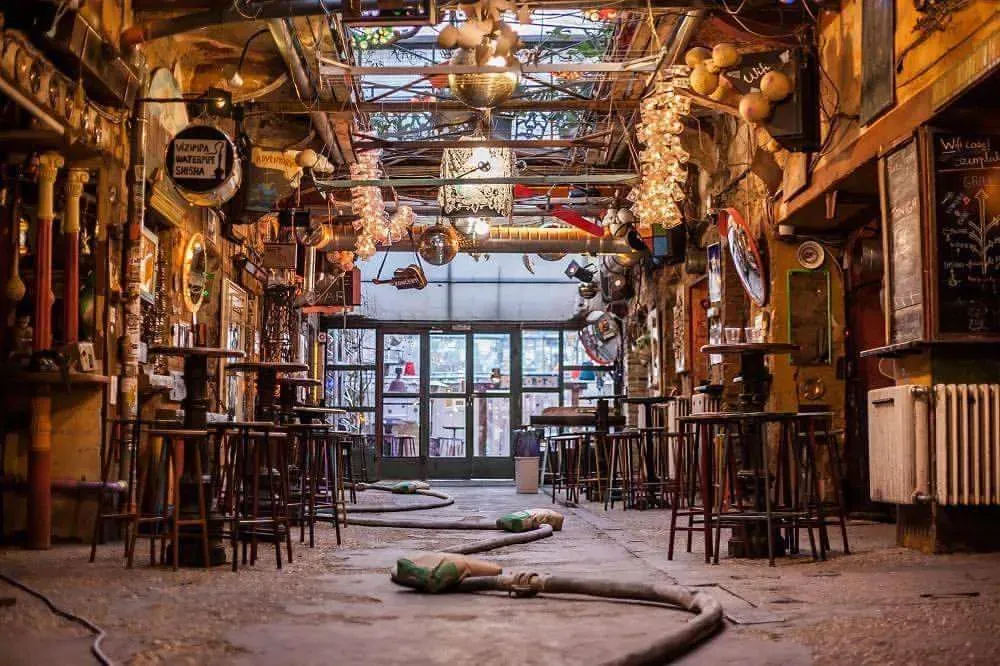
[448, 403]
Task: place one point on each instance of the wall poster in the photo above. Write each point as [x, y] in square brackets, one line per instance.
[653, 328]
[237, 334]
[679, 340]
[903, 244]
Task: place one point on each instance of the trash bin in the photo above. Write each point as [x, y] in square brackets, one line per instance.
[526, 474]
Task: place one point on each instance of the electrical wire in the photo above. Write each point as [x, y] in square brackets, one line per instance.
[99, 634]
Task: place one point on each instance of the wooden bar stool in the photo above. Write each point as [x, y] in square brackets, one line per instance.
[697, 468]
[125, 437]
[174, 442]
[569, 449]
[622, 480]
[248, 446]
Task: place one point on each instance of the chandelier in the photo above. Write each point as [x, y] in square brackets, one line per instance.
[470, 207]
[663, 163]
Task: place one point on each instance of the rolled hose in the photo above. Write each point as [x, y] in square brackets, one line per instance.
[707, 619]
[442, 501]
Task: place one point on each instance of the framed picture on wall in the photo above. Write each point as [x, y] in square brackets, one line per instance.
[679, 340]
[149, 250]
[653, 328]
[714, 252]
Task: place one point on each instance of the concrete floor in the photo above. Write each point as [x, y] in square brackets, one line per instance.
[336, 605]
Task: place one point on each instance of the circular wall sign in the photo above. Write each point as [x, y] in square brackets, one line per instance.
[746, 257]
[202, 162]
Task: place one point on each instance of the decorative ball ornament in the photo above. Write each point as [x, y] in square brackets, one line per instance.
[483, 91]
[448, 37]
[438, 245]
[723, 91]
[696, 56]
[725, 55]
[307, 158]
[703, 81]
[775, 85]
[711, 66]
[754, 107]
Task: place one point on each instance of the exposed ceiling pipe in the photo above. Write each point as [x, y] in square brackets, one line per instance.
[284, 39]
[232, 12]
[507, 240]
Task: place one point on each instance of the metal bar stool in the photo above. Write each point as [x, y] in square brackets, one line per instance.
[566, 473]
[174, 442]
[622, 480]
[815, 432]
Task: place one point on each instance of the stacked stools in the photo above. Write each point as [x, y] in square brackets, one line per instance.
[316, 486]
[246, 446]
[174, 443]
[597, 470]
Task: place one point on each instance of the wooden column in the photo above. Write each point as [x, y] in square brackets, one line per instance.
[48, 169]
[75, 180]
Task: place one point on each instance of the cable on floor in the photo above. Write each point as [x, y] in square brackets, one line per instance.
[99, 634]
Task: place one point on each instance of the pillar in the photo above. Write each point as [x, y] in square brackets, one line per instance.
[75, 180]
[48, 169]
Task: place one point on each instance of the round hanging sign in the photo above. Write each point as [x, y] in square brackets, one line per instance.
[202, 163]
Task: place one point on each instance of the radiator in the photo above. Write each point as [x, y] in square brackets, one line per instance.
[967, 443]
[945, 438]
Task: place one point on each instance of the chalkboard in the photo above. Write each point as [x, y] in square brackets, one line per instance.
[905, 249]
[878, 76]
[967, 232]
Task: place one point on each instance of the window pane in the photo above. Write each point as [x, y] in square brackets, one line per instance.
[350, 388]
[491, 421]
[447, 428]
[540, 359]
[573, 351]
[491, 361]
[401, 372]
[360, 422]
[350, 346]
[447, 363]
[401, 421]
[532, 404]
[586, 382]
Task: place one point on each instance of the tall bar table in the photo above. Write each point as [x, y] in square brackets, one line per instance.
[267, 383]
[753, 372]
[755, 389]
[195, 405]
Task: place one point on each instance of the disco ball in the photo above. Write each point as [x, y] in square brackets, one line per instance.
[481, 91]
[438, 245]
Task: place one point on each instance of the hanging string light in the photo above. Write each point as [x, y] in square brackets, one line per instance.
[663, 162]
[374, 225]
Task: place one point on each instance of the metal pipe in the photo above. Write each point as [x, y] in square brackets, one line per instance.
[231, 12]
[17, 484]
[554, 179]
[35, 110]
[284, 40]
[510, 240]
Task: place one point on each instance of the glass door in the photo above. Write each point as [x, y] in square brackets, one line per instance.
[401, 416]
[448, 423]
[493, 411]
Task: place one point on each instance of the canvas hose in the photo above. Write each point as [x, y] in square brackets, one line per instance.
[708, 614]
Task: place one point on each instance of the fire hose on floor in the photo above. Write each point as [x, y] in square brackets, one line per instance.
[450, 570]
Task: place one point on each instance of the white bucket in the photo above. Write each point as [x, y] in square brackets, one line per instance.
[526, 474]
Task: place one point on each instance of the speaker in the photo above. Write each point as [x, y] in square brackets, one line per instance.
[794, 122]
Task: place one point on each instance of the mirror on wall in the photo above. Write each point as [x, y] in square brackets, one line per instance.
[194, 271]
[809, 316]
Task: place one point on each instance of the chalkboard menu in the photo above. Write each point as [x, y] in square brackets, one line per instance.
[904, 246]
[878, 58]
[967, 232]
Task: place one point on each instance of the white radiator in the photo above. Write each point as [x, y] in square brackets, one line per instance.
[945, 438]
[967, 443]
